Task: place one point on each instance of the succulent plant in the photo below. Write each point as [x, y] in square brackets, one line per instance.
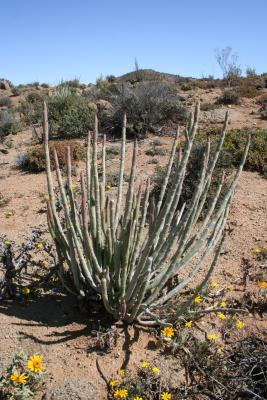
[129, 248]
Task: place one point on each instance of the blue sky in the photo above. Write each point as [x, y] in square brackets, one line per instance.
[50, 40]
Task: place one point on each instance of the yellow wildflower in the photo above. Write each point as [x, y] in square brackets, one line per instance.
[114, 382]
[166, 396]
[239, 324]
[223, 304]
[6, 242]
[40, 245]
[19, 378]
[35, 363]
[9, 213]
[145, 364]
[156, 370]
[108, 187]
[138, 398]
[219, 351]
[256, 251]
[262, 284]
[121, 393]
[188, 324]
[214, 285]
[213, 336]
[121, 372]
[221, 315]
[198, 299]
[168, 331]
[26, 291]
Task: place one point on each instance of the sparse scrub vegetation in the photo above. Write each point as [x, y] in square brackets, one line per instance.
[34, 159]
[229, 97]
[147, 105]
[9, 124]
[5, 102]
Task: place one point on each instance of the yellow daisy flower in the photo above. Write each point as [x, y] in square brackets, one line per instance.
[262, 284]
[121, 372]
[19, 378]
[219, 351]
[108, 187]
[35, 363]
[214, 285]
[239, 324]
[222, 315]
[168, 331]
[114, 382]
[121, 394]
[26, 291]
[6, 242]
[256, 251]
[213, 336]
[223, 304]
[198, 299]
[145, 364]
[156, 370]
[188, 324]
[166, 396]
[40, 245]
[138, 398]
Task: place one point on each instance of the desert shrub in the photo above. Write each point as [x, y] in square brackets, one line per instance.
[151, 381]
[45, 85]
[208, 106]
[9, 123]
[111, 78]
[73, 83]
[69, 113]
[16, 91]
[263, 100]
[31, 108]
[234, 145]
[154, 150]
[5, 102]
[34, 159]
[229, 97]
[147, 105]
[69, 116]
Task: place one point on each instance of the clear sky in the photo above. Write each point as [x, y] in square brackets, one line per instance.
[50, 40]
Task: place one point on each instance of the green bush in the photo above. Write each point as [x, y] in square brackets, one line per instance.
[69, 113]
[8, 124]
[148, 105]
[31, 108]
[234, 144]
[5, 102]
[229, 97]
[69, 116]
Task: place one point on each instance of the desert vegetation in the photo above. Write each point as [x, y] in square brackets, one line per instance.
[129, 248]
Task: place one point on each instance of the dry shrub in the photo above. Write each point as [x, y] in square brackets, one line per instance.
[34, 159]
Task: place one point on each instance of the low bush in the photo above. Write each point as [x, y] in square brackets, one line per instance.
[9, 123]
[147, 105]
[229, 97]
[34, 159]
[69, 113]
[208, 106]
[5, 102]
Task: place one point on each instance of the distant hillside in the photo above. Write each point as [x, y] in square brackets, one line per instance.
[151, 74]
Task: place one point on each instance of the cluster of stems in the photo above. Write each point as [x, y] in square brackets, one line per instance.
[129, 247]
